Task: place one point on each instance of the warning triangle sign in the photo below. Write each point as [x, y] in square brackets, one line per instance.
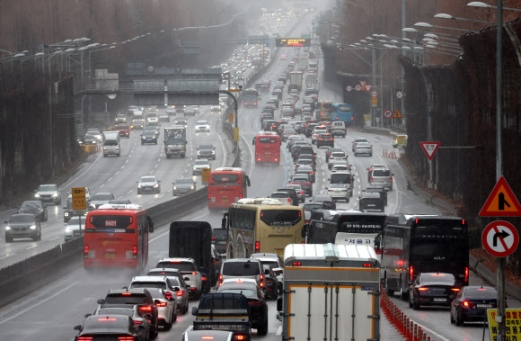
[397, 114]
[430, 148]
[501, 202]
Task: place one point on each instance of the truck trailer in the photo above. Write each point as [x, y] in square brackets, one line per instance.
[331, 292]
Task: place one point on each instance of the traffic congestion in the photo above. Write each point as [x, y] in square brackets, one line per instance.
[308, 180]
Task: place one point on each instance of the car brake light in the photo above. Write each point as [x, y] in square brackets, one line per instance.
[423, 289]
[180, 293]
[261, 284]
[371, 179]
[203, 278]
[411, 273]
[466, 274]
[145, 309]
[220, 280]
[194, 273]
[466, 304]
[86, 250]
[240, 337]
[84, 338]
[134, 250]
[126, 338]
[456, 289]
[161, 304]
[297, 263]
[138, 322]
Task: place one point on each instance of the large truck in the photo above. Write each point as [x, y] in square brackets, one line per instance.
[331, 292]
[175, 141]
[193, 239]
[295, 80]
[303, 62]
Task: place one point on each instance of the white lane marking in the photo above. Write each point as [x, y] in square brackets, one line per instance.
[279, 330]
[4, 257]
[55, 238]
[37, 303]
[31, 247]
[116, 173]
[225, 155]
[110, 179]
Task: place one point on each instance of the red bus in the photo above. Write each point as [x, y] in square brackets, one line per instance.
[267, 147]
[116, 236]
[226, 185]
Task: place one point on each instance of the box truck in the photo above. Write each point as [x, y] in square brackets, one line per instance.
[331, 292]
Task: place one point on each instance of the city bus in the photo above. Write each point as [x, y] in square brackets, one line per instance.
[323, 111]
[267, 147]
[413, 244]
[116, 236]
[262, 225]
[226, 185]
[347, 228]
[250, 97]
[342, 112]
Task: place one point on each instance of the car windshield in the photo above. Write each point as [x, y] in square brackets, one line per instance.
[149, 132]
[181, 266]
[202, 122]
[116, 311]
[184, 182]
[246, 292]
[147, 179]
[481, 293]
[159, 285]
[25, 218]
[28, 205]
[381, 172]
[280, 195]
[201, 162]
[47, 188]
[110, 143]
[102, 196]
[75, 220]
[206, 147]
[120, 299]
[312, 207]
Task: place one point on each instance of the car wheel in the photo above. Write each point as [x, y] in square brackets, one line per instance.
[415, 304]
[451, 318]
[138, 192]
[142, 143]
[263, 330]
[8, 239]
[459, 319]
[153, 333]
[168, 326]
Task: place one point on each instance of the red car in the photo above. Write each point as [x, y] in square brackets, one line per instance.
[124, 129]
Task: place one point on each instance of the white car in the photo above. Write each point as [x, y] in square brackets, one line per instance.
[199, 165]
[74, 228]
[339, 192]
[317, 131]
[149, 184]
[215, 109]
[202, 125]
[152, 117]
[170, 110]
[188, 270]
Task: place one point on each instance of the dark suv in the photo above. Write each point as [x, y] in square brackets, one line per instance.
[292, 193]
[219, 237]
[370, 201]
[137, 296]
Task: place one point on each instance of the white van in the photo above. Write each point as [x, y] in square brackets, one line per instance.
[338, 128]
[111, 145]
[312, 66]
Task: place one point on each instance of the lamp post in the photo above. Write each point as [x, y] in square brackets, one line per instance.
[484, 5]
[448, 16]
[425, 24]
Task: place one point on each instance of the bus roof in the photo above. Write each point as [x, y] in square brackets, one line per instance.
[227, 169]
[267, 133]
[405, 218]
[120, 207]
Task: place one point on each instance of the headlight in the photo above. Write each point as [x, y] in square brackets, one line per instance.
[66, 214]
[191, 187]
[68, 230]
[213, 152]
[175, 188]
[33, 227]
[198, 153]
[8, 228]
[139, 186]
[142, 137]
[37, 195]
[156, 185]
[55, 194]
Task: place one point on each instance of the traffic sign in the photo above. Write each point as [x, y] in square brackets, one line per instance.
[374, 101]
[430, 148]
[349, 88]
[388, 113]
[205, 175]
[230, 117]
[397, 114]
[374, 93]
[79, 201]
[501, 202]
[500, 238]
[358, 87]
[399, 95]
[367, 87]
[362, 83]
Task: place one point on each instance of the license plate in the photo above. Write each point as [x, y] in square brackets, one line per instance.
[371, 205]
[440, 300]
[110, 255]
[484, 305]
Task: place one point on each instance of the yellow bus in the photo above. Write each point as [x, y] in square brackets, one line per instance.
[262, 225]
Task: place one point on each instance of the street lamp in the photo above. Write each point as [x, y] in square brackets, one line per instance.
[425, 24]
[448, 16]
[484, 5]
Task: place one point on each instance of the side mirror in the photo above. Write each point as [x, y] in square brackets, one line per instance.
[101, 301]
[87, 315]
[279, 304]
[186, 279]
[158, 180]
[176, 289]
[78, 328]
[194, 311]
[150, 224]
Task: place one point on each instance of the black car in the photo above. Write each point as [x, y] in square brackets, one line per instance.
[219, 237]
[326, 201]
[108, 327]
[256, 302]
[378, 189]
[271, 286]
[35, 207]
[471, 304]
[325, 139]
[433, 288]
[292, 193]
[148, 136]
[22, 225]
[309, 128]
[206, 151]
[370, 201]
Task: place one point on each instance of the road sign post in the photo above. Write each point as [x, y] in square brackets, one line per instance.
[430, 148]
[500, 238]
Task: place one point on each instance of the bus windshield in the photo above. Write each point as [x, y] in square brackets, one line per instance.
[110, 222]
[280, 217]
[224, 178]
[264, 139]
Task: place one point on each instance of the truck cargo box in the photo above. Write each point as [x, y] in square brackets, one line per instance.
[331, 292]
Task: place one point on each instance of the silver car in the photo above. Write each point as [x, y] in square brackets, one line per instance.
[22, 225]
[183, 186]
[363, 148]
[48, 193]
[382, 177]
[177, 281]
[75, 228]
[148, 184]
[199, 165]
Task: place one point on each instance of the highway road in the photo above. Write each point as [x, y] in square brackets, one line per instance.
[51, 311]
